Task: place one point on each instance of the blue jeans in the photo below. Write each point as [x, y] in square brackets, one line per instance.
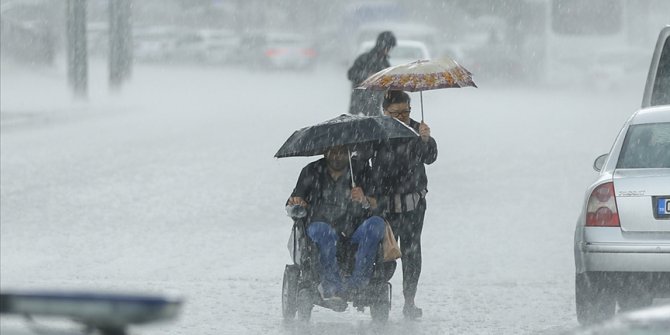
[368, 236]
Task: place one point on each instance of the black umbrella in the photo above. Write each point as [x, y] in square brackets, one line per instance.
[347, 130]
[354, 132]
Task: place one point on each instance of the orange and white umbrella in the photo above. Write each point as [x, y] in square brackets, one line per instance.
[420, 75]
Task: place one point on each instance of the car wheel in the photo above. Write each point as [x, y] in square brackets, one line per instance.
[635, 292]
[594, 300]
[381, 303]
[305, 305]
[289, 292]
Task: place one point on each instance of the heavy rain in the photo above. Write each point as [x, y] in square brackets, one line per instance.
[138, 143]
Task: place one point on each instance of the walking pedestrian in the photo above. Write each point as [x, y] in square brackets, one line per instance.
[363, 101]
[400, 175]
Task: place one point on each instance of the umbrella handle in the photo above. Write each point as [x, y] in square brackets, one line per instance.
[351, 170]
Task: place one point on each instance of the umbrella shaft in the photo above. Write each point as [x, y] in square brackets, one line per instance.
[421, 95]
[351, 170]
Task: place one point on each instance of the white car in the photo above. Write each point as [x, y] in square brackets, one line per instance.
[622, 238]
[207, 45]
[283, 50]
[154, 44]
[278, 51]
[405, 51]
[220, 46]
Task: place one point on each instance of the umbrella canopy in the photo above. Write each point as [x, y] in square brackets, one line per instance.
[348, 130]
[420, 75]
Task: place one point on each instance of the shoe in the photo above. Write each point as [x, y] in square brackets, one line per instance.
[332, 301]
[412, 312]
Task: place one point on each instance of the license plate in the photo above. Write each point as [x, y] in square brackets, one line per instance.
[663, 206]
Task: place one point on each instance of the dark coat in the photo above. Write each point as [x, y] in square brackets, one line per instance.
[398, 166]
[364, 101]
[329, 201]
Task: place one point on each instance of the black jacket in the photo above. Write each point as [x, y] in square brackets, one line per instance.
[398, 165]
[366, 64]
[329, 201]
[364, 101]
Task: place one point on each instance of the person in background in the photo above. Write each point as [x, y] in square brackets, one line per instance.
[363, 101]
[401, 187]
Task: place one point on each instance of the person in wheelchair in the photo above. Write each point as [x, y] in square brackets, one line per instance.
[339, 211]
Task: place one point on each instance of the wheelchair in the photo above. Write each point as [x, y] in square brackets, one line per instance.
[301, 279]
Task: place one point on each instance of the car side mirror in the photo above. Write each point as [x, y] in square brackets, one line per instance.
[600, 162]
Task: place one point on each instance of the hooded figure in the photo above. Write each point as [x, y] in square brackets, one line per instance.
[363, 101]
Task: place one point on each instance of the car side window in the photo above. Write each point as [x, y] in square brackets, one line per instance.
[646, 146]
[661, 91]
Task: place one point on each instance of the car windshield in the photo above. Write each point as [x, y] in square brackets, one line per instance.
[646, 146]
[406, 53]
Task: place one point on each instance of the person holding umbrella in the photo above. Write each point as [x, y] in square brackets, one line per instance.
[333, 190]
[367, 102]
[401, 186]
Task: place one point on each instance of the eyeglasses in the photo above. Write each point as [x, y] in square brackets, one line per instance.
[396, 114]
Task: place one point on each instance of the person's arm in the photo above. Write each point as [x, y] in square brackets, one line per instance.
[302, 188]
[427, 151]
[358, 72]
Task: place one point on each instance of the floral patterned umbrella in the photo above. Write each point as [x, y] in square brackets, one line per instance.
[420, 75]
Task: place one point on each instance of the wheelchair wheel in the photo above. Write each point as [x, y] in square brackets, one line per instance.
[305, 305]
[381, 303]
[289, 292]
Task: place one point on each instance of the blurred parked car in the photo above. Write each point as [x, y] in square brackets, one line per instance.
[404, 30]
[405, 51]
[217, 46]
[155, 43]
[220, 45]
[278, 51]
[26, 32]
[104, 313]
